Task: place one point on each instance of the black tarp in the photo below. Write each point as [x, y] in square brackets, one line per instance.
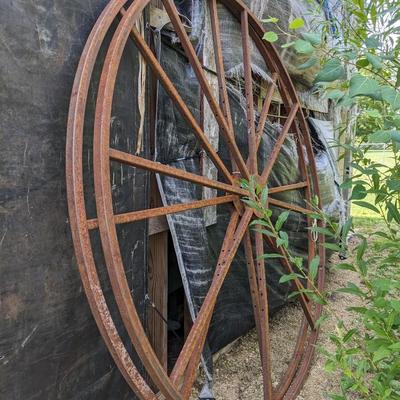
[197, 242]
[50, 347]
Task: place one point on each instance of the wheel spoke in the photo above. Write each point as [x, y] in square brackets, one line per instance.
[248, 85]
[170, 88]
[153, 166]
[286, 188]
[279, 144]
[265, 109]
[264, 313]
[160, 211]
[219, 63]
[288, 206]
[200, 326]
[197, 68]
[192, 363]
[251, 271]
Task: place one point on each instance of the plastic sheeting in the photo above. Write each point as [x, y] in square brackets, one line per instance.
[310, 11]
[326, 158]
[50, 346]
[198, 244]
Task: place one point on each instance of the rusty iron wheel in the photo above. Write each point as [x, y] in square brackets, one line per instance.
[179, 383]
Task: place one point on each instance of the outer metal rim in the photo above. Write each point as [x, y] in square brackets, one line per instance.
[299, 366]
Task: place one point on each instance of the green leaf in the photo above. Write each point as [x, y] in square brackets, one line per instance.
[259, 222]
[374, 61]
[380, 136]
[283, 240]
[364, 204]
[321, 320]
[303, 47]
[286, 45]
[331, 71]
[346, 227]
[316, 298]
[352, 289]
[314, 38]
[308, 64]
[289, 277]
[391, 96]
[393, 212]
[336, 396]
[313, 269]
[334, 94]
[270, 255]
[383, 284]
[359, 192]
[324, 231]
[331, 366]
[395, 346]
[270, 19]
[344, 266]
[361, 249]
[381, 353]
[372, 42]
[363, 86]
[296, 23]
[358, 310]
[265, 232]
[349, 335]
[244, 183]
[374, 344]
[332, 246]
[270, 37]
[394, 184]
[281, 220]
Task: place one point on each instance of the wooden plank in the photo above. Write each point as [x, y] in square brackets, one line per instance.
[157, 281]
[158, 293]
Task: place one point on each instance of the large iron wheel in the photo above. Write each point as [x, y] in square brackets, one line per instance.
[179, 383]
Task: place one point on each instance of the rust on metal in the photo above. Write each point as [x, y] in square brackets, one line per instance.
[178, 385]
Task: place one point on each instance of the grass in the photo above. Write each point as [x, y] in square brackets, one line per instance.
[364, 215]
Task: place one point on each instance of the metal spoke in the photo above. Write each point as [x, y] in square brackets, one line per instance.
[203, 319]
[197, 68]
[135, 216]
[286, 188]
[288, 206]
[192, 363]
[304, 301]
[265, 110]
[251, 271]
[153, 166]
[251, 132]
[264, 313]
[170, 88]
[219, 63]
[279, 143]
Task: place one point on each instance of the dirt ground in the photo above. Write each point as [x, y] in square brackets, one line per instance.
[238, 372]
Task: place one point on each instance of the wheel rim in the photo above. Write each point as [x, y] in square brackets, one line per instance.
[179, 384]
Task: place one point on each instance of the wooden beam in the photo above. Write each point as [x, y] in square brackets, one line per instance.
[157, 280]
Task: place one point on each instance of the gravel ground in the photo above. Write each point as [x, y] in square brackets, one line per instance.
[238, 372]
